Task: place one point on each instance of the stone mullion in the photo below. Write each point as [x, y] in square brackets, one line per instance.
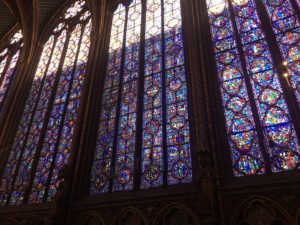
[85, 133]
[16, 105]
[207, 137]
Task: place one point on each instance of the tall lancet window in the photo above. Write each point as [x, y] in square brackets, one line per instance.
[144, 134]
[9, 56]
[44, 138]
[259, 104]
[286, 27]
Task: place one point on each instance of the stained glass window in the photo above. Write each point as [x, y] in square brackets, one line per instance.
[144, 135]
[286, 26]
[43, 141]
[261, 133]
[9, 56]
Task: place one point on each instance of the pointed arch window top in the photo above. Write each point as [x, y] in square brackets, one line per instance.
[17, 37]
[75, 9]
[216, 7]
[9, 57]
[43, 142]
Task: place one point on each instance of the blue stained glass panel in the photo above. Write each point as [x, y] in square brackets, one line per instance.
[286, 26]
[54, 124]
[245, 151]
[164, 91]
[279, 133]
[102, 171]
[45, 133]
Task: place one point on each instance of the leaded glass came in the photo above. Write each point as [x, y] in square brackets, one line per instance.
[257, 113]
[145, 77]
[43, 141]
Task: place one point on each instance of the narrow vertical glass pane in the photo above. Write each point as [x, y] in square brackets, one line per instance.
[23, 173]
[164, 104]
[279, 133]
[152, 153]
[2, 65]
[177, 115]
[286, 26]
[54, 125]
[125, 150]
[20, 139]
[9, 57]
[48, 121]
[71, 114]
[102, 171]
[245, 151]
[7, 77]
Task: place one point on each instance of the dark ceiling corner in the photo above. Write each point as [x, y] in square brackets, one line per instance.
[7, 19]
[47, 9]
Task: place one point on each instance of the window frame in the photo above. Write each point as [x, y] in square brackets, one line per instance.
[164, 189]
[223, 150]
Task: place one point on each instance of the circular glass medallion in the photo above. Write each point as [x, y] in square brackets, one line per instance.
[294, 53]
[248, 165]
[216, 7]
[152, 127]
[132, 65]
[280, 134]
[173, 50]
[269, 96]
[256, 49]
[240, 123]
[290, 38]
[152, 90]
[175, 84]
[152, 173]
[236, 104]
[180, 170]
[127, 133]
[177, 122]
[226, 57]
[124, 175]
[232, 86]
[275, 116]
[243, 141]
[230, 72]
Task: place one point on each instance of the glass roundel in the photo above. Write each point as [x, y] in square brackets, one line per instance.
[144, 116]
[43, 142]
[257, 114]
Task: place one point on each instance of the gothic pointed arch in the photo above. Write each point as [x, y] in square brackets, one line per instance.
[11, 49]
[129, 216]
[260, 210]
[9, 221]
[174, 214]
[90, 218]
[43, 142]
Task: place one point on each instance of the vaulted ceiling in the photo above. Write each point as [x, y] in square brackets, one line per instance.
[7, 18]
[47, 8]
[12, 12]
